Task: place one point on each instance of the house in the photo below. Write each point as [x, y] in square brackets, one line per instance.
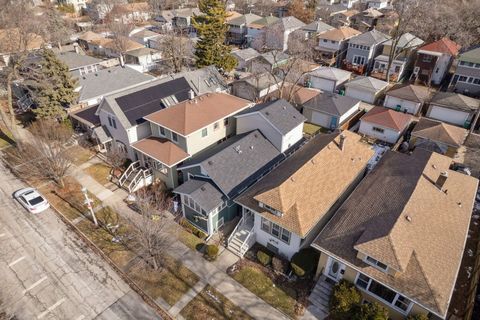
[204, 80]
[345, 3]
[328, 79]
[80, 64]
[362, 51]
[268, 61]
[98, 10]
[285, 214]
[184, 129]
[342, 18]
[402, 59]
[276, 34]
[384, 124]
[467, 75]
[295, 94]
[367, 89]
[180, 19]
[438, 137]
[87, 37]
[377, 4]
[366, 20]
[11, 43]
[244, 58]
[255, 29]
[238, 28]
[315, 28]
[123, 113]
[408, 98]
[434, 60]
[332, 44]
[96, 85]
[255, 87]
[214, 179]
[135, 12]
[330, 110]
[377, 239]
[115, 47]
[277, 120]
[143, 59]
[453, 108]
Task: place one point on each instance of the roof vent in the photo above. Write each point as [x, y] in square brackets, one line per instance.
[434, 166]
[202, 188]
[284, 107]
[293, 179]
[255, 135]
[237, 149]
[267, 113]
[313, 161]
[408, 218]
[251, 147]
[459, 204]
[210, 162]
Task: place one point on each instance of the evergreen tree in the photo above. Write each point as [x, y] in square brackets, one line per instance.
[211, 48]
[50, 85]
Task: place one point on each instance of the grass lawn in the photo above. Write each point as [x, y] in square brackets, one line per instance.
[262, 286]
[6, 137]
[210, 304]
[170, 283]
[189, 239]
[99, 172]
[310, 128]
[79, 155]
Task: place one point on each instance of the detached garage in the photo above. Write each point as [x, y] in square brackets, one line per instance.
[407, 98]
[367, 89]
[453, 108]
[330, 110]
[328, 78]
[384, 124]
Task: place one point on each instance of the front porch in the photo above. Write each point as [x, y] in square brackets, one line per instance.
[243, 236]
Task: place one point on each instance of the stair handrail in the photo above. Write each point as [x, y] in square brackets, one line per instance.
[240, 222]
[135, 181]
[246, 240]
[127, 172]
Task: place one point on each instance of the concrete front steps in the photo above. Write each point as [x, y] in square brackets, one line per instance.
[320, 297]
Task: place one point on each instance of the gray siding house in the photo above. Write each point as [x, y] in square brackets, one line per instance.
[363, 49]
[467, 76]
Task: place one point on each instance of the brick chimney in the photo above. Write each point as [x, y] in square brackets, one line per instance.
[342, 141]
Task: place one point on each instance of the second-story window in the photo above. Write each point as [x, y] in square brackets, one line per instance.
[216, 125]
[174, 136]
[204, 132]
[427, 58]
[162, 131]
[225, 122]
[112, 122]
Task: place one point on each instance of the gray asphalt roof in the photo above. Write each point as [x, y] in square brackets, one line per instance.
[370, 38]
[236, 163]
[244, 19]
[246, 54]
[202, 192]
[74, 60]
[205, 80]
[317, 26]
[110, 80]
[280, 113]
[331, 73]
[455, 101]
[331, 103]
[367, 83]
[290, 22]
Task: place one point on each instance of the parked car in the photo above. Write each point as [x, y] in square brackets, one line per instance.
[31, 200]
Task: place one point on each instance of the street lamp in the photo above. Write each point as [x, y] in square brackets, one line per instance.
[89, 202]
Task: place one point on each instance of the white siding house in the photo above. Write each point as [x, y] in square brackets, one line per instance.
[402, 105]
[384, 124]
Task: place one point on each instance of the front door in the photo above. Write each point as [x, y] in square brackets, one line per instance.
[335, 269]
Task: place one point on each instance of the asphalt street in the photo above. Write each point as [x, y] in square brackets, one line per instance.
[47, 272]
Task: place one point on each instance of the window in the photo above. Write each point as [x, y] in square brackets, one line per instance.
[112, 122]
[286, 235]
[427, 58]
[402, 303]
[376, 263]
[174, 137]
[204, 132]
[265, 225]
[382, 292]
[325, 40]
[462, 79]
[362, 281]
[225, 122]
[359, 60]
[216, 125]
[276, 230]
[476, 81]
[162, 131]
[377, 129]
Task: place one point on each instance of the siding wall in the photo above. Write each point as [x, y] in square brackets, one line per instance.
[389, 135]
[456, 117]
[406, 105]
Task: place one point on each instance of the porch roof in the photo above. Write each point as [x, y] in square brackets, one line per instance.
[162, 150]
[202, 192]
[102, 134]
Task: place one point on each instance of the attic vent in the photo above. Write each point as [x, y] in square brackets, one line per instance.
[408, 218]
[210, 162]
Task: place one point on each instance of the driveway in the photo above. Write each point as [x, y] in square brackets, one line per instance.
[47, 272]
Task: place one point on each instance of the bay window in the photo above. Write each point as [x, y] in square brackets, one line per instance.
[384, 294]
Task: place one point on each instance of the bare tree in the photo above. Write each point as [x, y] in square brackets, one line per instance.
[151, 228]
[177, 51]
[116, 157]
[44, 154]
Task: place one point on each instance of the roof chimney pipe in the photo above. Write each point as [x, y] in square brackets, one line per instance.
[342, 141]
[191, 94]
[442, 178]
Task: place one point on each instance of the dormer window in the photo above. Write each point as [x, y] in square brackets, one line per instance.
[375, 263]
[271, 209]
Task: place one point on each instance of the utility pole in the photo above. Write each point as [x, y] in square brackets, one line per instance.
[89, 202]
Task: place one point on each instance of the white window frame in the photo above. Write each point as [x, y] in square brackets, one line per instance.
[395, 299]
[204, 132]
[174, 136]
[375, 263]
[281, 231]
[161, 131]
[362, 58]
[378, 129]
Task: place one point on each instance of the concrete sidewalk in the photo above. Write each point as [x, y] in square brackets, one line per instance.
[91, 184]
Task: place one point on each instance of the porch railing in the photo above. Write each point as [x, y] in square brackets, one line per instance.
[246, 242]
[240, 222]
[133, 166]
[141, 174]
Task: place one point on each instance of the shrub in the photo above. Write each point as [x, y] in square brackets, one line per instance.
[192, 229]
[279, 265]
[418, 317]
[343, 299]
[211, 252]
[304, 262]
[263, 258]
[368, 311]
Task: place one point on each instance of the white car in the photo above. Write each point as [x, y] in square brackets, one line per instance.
[31, 200]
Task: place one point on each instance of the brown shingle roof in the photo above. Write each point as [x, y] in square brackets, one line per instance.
[443, 45]
[387, 118]
[440, 132]
[339, 34]
[162, 150]
[427, 247]
[298, 95]
[306, 185]
[90, 35]
[189, 116]
[411, 92]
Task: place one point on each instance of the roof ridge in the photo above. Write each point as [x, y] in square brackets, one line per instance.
[392, 245]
